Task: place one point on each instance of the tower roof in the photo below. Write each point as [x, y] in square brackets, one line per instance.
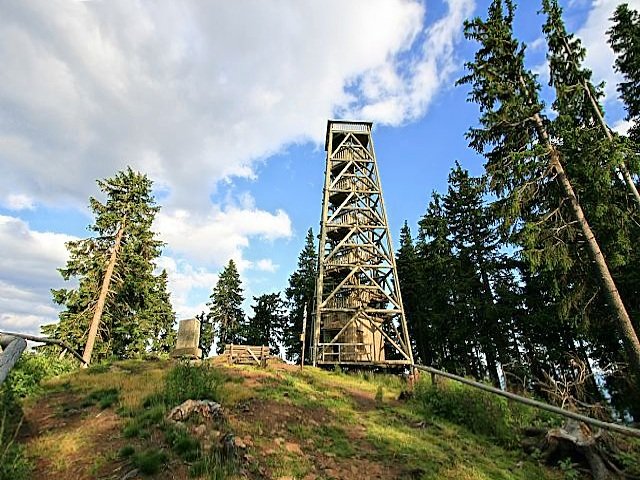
[356, 126]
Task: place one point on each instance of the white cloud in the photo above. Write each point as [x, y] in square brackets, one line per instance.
[600, 58]
[622, 127]
[184, 279]
[194, 92]
[27, 271]
[221, 234]
[266, 265]
[19, 201]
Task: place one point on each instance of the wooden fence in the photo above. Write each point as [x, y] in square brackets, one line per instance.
[247, 354]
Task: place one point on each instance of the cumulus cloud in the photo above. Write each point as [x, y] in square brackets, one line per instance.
[194, 92]
[27, 271]
[190, 234]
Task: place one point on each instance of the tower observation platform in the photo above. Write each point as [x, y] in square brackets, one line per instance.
[358, 318]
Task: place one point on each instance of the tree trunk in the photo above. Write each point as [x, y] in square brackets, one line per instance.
[629, 337]
[106, 282]
[12, 348]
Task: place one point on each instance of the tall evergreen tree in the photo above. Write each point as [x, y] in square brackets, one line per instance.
[299, 298]
[266, 325]
[524, 166]
[624, 38]
[118, 294]
[225, 307]
[436, 337]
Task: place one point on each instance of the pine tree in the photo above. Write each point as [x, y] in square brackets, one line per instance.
[118, 297]
[299, 298]
[524, 166]
[624, 38]
[225, 307]
[266, 325]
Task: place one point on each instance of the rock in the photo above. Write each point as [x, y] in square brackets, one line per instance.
[200, 430]
[293, 448]
[204, 408]
[130, 474]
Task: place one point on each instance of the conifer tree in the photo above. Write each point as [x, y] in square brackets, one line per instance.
[119, 304]
[524, 166]
[474, 244]
[432, 325]
[266, 325]
[299, 298]
[624, 38]
[410, 287]
[580, 115]
[225, 307]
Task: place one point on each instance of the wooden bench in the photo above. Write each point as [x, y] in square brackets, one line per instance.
[247, 354]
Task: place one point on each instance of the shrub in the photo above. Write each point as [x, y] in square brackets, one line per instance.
[14, 464]
[195, 382]
[32, 368]
[481, 412]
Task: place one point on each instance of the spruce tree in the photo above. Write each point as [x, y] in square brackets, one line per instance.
[225, 307]
[431, 326]
[580, 118]
[524, 166]
[299, 299]
[410, 287]
[624, 38]
[119, 298]
[266, 325]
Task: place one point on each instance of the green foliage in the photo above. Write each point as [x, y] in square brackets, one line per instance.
[624, 38]
[266, 326]
[150, 461]
[480, 412]
[213, 466]
[195, 382]
[14, 464]
[225, 308]
[300, 298]
[137, 317]
[33, 368]
[182, 443]
[126, 451]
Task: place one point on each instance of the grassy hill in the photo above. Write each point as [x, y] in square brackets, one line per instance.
[110, 422]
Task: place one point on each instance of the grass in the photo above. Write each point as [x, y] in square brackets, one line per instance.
[340, 422]
[151, 461]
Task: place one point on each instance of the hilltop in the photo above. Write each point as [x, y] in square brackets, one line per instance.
[109, 422]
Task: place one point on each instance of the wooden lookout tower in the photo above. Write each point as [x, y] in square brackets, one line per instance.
[359, 319]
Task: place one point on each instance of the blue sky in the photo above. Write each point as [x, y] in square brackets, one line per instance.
[225, 106]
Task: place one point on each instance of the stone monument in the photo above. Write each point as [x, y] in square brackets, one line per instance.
[188, 339]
